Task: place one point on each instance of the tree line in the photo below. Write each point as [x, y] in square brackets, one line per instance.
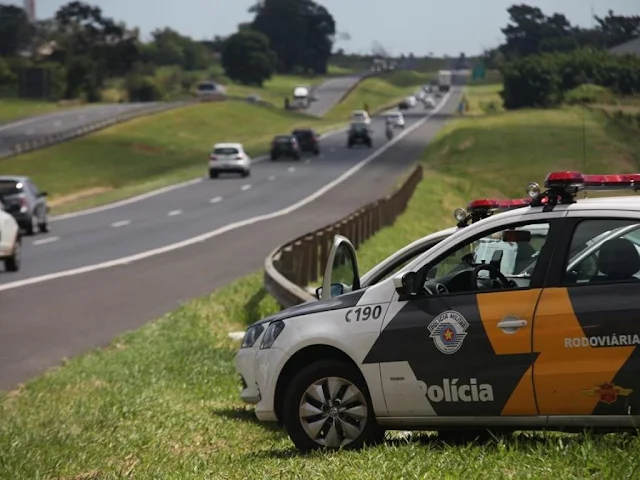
[545, 57]
[80, 48]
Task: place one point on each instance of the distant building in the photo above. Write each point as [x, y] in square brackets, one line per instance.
[631, 47]
[30, 8]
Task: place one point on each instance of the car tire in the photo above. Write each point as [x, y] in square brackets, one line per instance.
[245, 174]
[43, 225]
[13, 263]
[273, 157]
[364, 427]
[213, 174]
[30, 228]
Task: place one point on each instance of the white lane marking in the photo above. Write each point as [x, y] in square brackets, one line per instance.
[216, 200]
[153, 193]
[232, 226]
[44, 241]
[173, 213]
[236, 335]
[126, 201]
[292, 169]
[271, 178]
[121, 223]
[246, 187]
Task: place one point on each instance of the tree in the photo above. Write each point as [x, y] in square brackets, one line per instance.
[617, 29]
[247, 58]
[15, 30]
[169, 47]
[301, 33]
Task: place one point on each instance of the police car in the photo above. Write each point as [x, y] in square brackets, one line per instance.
[548, 343]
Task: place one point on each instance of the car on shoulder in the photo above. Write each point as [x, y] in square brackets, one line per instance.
[361, 116]
[10, 241]
[229, 158]
[395, 119]
[308, 140]
[285, 146]
[429, 103]
[25, 202]
[359, 133]
[523, 317]
[412, 101]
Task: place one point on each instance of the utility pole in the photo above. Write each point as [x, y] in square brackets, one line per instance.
[30, 8]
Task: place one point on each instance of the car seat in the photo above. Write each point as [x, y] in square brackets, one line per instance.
[618, 260]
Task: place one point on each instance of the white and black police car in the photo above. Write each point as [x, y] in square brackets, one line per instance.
[525, 316]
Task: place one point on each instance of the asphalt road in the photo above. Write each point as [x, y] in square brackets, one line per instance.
[45, 322]
[331, 92]
[41, 126]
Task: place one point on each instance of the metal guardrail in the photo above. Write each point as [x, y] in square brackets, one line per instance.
[296, 264]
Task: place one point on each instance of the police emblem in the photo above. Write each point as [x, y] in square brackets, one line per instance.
[448, 331]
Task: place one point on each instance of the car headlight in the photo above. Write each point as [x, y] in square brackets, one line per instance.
[251, 336]
[273, 331]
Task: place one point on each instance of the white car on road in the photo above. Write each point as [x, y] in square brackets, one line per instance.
[429, 102]
[395, 119]
[229, 158]
[10, 241]
[360, 116]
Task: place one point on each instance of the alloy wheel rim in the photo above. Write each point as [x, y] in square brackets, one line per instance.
[333, 412]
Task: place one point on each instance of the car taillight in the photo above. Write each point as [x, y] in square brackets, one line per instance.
[24, 205]
[212, 157]
[239, 157]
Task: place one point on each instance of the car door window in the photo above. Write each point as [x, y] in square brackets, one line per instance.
[34, 190]
[604, 250]
[511, 252]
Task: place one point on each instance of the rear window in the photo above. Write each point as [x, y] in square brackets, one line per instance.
[10, 187]
[226, 151]
[283, 139]
[207, 87]
[303, 133]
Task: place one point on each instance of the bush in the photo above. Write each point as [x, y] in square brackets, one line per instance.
[545, 80]
[8, 79]
[143, 89]
[589, 93]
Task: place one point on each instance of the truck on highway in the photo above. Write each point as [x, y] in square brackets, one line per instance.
[444, 80]
[301, 97]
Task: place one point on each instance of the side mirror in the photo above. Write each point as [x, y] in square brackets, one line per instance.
[406, 284]
[336, 290]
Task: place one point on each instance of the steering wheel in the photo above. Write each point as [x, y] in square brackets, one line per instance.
[505, 282]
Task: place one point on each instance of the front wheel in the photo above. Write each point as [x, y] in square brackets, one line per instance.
[328, 406]
[12, 263]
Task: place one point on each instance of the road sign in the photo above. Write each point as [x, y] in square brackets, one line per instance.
[479, 71]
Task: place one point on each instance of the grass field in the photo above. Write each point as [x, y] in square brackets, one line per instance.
[151, 152]
[162, 402]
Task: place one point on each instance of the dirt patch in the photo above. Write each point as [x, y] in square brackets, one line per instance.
[145, 148]
[89, 192]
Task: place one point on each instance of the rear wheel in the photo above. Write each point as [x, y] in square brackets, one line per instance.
[43, 226]
[273, 157]
[245, 173]
[12, 263]
[328, 406]
[213, 174]
[316, 152]
[31, 227]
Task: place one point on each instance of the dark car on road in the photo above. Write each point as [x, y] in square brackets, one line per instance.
[404, 105]
[285, 146]
[359, 134]
[26, 203]
[308, 140]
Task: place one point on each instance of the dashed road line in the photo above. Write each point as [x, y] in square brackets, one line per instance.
[44, 241]
[121, 223]
[215, 200]
[246, 187]
[173, 213]
[292, 169]
[272, 177]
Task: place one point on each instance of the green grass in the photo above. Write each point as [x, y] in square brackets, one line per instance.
[12, 109]
[162, 402]
[151, 152]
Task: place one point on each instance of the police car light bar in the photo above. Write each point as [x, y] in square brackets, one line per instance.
[484, 207]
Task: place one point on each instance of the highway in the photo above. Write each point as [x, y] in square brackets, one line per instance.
[42, 126]
[331, 92]
[227, 226]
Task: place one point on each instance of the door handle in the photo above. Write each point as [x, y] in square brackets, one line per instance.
[510, 325]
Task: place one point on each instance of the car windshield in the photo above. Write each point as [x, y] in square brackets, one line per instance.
[10, 187]
[225, 151]
[206, 87]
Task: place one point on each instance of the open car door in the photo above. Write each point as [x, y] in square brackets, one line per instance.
[341, 273]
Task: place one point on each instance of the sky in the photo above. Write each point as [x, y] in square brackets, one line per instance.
[420, 27]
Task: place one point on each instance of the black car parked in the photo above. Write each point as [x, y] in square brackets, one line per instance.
[285, 146]
[26, 203]
[359, 133]
[308, 140]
